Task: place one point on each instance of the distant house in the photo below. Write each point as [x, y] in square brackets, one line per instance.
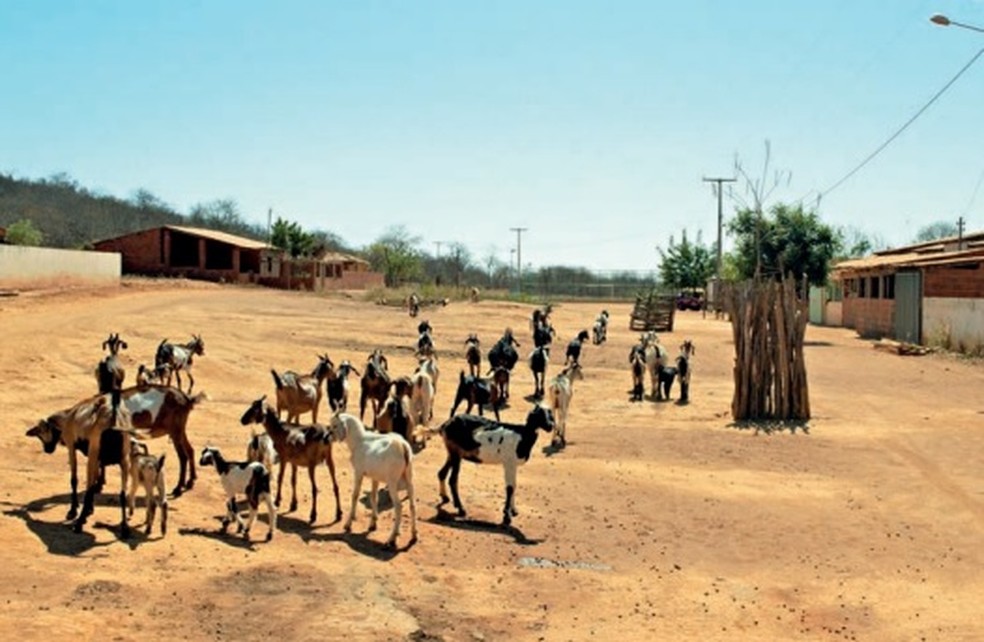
[199, 253]
[927, 293]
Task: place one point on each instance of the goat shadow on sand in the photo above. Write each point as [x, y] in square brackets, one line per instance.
[769, 426]
[554, 448]
[231, 537]
[59, 537]
[451, 520]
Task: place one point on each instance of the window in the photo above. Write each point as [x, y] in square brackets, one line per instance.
[875, 283]
[890, 286]
[862, 282]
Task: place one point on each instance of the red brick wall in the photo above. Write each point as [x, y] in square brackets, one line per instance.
[873, 318]
[950, 282]
[141, 251]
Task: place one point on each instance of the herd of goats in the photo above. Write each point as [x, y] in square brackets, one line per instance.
[111, 427]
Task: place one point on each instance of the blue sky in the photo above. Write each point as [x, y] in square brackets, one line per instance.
[589, 123]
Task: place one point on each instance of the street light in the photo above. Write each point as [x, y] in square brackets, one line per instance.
[943, 21]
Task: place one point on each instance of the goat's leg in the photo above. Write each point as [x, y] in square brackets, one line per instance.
[191, 381]
[92, 475]
[374, 502]
[392, 486]
[455, 469]
[280, 480]
[124, 471]
[442, 474]
[73, 510]
[190, 459]
[230, 513]
[271, 515]
[314, 496]
[509, 510]
[411, 497]
[183, 457]
[253, 510]
[293, 488]
[356, 489]
[132, 499]
[334, 486]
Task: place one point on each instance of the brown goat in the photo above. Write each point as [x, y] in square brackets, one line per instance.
[110, 373]
[298, 394]
[296, 445]
[375, 384]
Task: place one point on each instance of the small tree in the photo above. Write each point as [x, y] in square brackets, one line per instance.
[686, 265]
[23, 232]
[937, 230]
[396, 255]
[290, 237]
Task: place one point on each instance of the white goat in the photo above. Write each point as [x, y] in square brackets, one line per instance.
[249, 478]
[261, 449]
[560, 391]
[422, 398]
[429, 366]
[383, 458]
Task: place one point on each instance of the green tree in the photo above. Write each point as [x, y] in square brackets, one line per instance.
[686, 265]
[23, 232]
[787, 240]
[937, 230]
[290, 237]
[856, 243]
[397, 255]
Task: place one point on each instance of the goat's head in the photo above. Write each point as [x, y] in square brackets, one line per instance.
[197, 344]
[114, 344]
[582, 336]
[687, 348]
[472, 340]
[345, 367]
[338, 428]
[378, 361]
[424, 327]
[256, 412]
[209, 456]
[540, 417]
[402, 387]
[48, 432]
[573, 372]
[324, 367]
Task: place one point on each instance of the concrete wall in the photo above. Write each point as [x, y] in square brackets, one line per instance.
[954, 323]
[872, 318]
[21, 266]
[833, 313]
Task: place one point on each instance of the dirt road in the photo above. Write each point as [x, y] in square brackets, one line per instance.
[659, 521]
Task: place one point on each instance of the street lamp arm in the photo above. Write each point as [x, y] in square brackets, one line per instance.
[943, 21]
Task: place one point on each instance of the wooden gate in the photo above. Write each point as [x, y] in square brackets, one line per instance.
[908, 307]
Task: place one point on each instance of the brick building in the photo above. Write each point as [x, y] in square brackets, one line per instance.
[929, 293]
[199, 253]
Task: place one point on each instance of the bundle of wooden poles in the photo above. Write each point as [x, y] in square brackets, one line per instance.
[768, 320]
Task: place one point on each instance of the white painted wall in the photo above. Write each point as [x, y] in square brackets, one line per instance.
[21, 265]
[962, 320]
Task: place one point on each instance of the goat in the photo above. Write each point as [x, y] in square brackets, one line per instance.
[158, 410]
[428, 365]
[395, 415]
[687, 351]
[476, 391]
[500, 382]
[424, 327]
[600, 329]
[260, 448]
[413, 304]
[296, 445]
[179, 356]
[541, 316]
[664, 381]
[153, 376]
[561, 390]
[543, 334]
[375, 383]
[250, 478]
[637, 363]
[573, 354]
[473, 295]
[88, 421]
[473, 355]
[148, 471]
[110, 373]
[503, 353]
[484, 441]
[338, 387]
[383, 458]
[425, 344]
[656, 358]
[539, 359]
[298, 394]
[422, 398]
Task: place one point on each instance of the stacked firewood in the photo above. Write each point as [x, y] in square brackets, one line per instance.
[768, 320]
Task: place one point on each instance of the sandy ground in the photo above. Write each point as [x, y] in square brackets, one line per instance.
[659, 521]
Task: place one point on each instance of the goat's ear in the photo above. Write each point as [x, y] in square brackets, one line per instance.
[123, 345]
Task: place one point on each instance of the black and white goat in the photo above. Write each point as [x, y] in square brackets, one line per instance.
[425, 340]
[178, 357]
[484, 441]
[110, 373]
[338, 386]
[685, 368]
[573, 354]
[249, 478]
[503, 353]
[637, 364]
[539, 359]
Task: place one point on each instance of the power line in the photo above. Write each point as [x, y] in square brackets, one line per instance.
[901, 129]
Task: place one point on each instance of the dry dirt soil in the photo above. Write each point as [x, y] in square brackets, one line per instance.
[658, 522]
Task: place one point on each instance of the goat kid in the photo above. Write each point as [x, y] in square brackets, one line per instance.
[249, 478]
[573, 354]
[148, 471]
[179, 356]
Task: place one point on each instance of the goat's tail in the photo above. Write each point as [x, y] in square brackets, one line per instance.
[277, 380]
[159, 466]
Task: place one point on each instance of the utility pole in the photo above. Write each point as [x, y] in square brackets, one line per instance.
[519, 257]
[269, 224]
[720, 193]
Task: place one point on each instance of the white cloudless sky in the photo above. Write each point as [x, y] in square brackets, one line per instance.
[591, 124]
